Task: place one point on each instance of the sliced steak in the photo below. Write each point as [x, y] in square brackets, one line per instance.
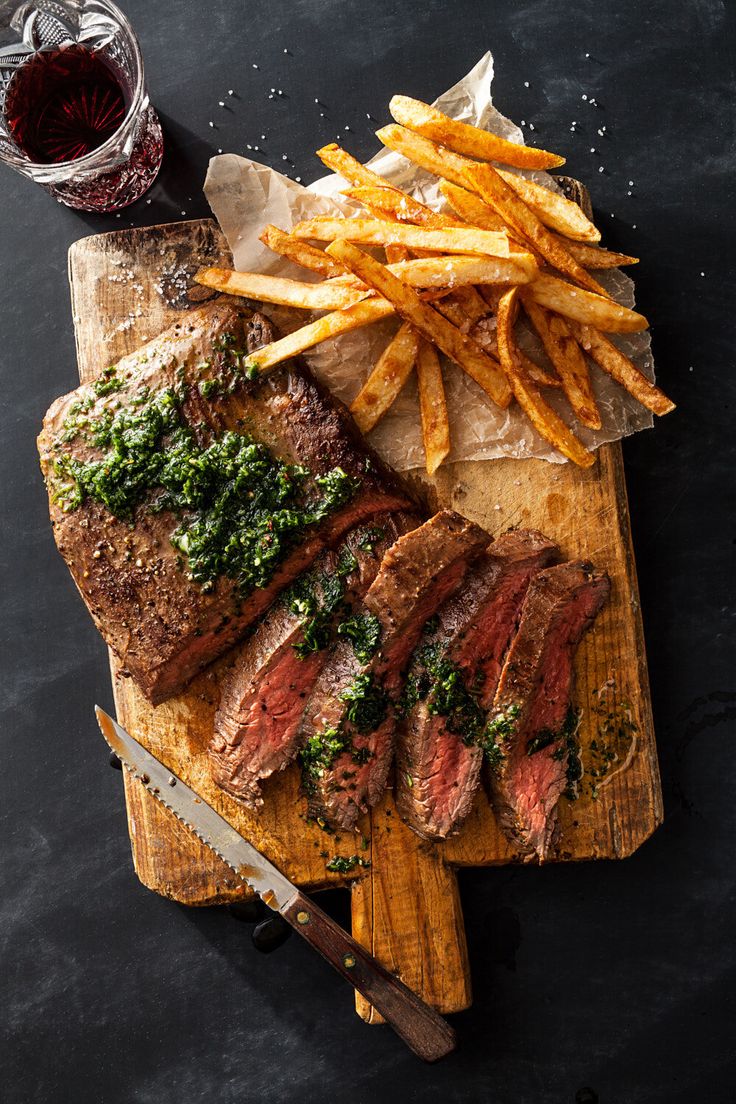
[531, 725]
[266, 691]
[452, 681]
[163, 477]
[349, 723]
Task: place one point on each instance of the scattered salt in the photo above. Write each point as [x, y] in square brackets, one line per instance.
[702, 274]
[220, 103]
[231, 91]
[592, 149]
[523, 122]
[284, 157]
[583, 97]
[347, 128]
[600, 168]
[531, 126]
[298, 179]
[211, 123]
[631, 183]
[587, 55]
[263, 137]
[526, 84]
[273, 89]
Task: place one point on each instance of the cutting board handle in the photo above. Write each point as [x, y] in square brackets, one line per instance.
[421, 1028]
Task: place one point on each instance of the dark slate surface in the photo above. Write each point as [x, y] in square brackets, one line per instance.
[618, 978]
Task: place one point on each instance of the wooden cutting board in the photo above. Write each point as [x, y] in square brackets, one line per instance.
[126, 287]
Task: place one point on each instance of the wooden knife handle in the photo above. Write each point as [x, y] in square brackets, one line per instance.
[423, 1030]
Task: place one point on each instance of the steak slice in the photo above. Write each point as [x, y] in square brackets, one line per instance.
[349, 723]
[266, 691]
[531, 724]
[180, 435]
[452, 681]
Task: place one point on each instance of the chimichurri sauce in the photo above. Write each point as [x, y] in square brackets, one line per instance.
[240, 507]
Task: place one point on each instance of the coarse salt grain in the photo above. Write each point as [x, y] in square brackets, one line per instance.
[220, 103]
[583, 97]
[526, 84]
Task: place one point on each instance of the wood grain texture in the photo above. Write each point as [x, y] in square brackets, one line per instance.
[129, 285]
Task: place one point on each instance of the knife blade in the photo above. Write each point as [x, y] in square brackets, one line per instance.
[424, 1031]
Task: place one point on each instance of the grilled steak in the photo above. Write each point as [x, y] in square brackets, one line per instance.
[452, 682]
[274, 670]
[185, 496]
[532, 721]
[349, 722]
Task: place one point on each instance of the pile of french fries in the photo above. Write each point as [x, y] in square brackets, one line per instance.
[456, 281]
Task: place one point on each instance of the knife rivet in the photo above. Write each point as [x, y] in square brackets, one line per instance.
[348, 961]
[302, 918]
[171, 780]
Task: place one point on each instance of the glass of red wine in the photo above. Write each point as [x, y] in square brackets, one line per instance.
[74, 110]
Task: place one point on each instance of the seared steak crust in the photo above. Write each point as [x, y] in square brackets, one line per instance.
[162, 625]
[268, 686]
[437, 760]
[531, 706]
[417, 574]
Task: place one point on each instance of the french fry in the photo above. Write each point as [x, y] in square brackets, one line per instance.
[468, 139]
[483, 179]
[308, 256]
[471, 208]
[404, 208]
[542, 416]
[553, 209]
[471, 303]
[456, 271]
[397, 253]
[618, 366]
[583, 306]
[454, 344]
[275, 289]
[569, 362]
[487, 339]
[329, 325]
[594, 256]
[349, 168]
[432, 407]
[390, 374]
[375, 232]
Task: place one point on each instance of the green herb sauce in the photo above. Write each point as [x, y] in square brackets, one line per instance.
[367, 703]
[343, 864]
[434, 678]
[364, 633]
[241, 507]
[497, 731]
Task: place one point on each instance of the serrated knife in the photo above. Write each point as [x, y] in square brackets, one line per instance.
[422, 1029]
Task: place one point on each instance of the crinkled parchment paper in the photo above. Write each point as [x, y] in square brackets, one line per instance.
[245, 195]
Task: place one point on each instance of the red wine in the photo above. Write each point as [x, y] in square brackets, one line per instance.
[62, 104]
